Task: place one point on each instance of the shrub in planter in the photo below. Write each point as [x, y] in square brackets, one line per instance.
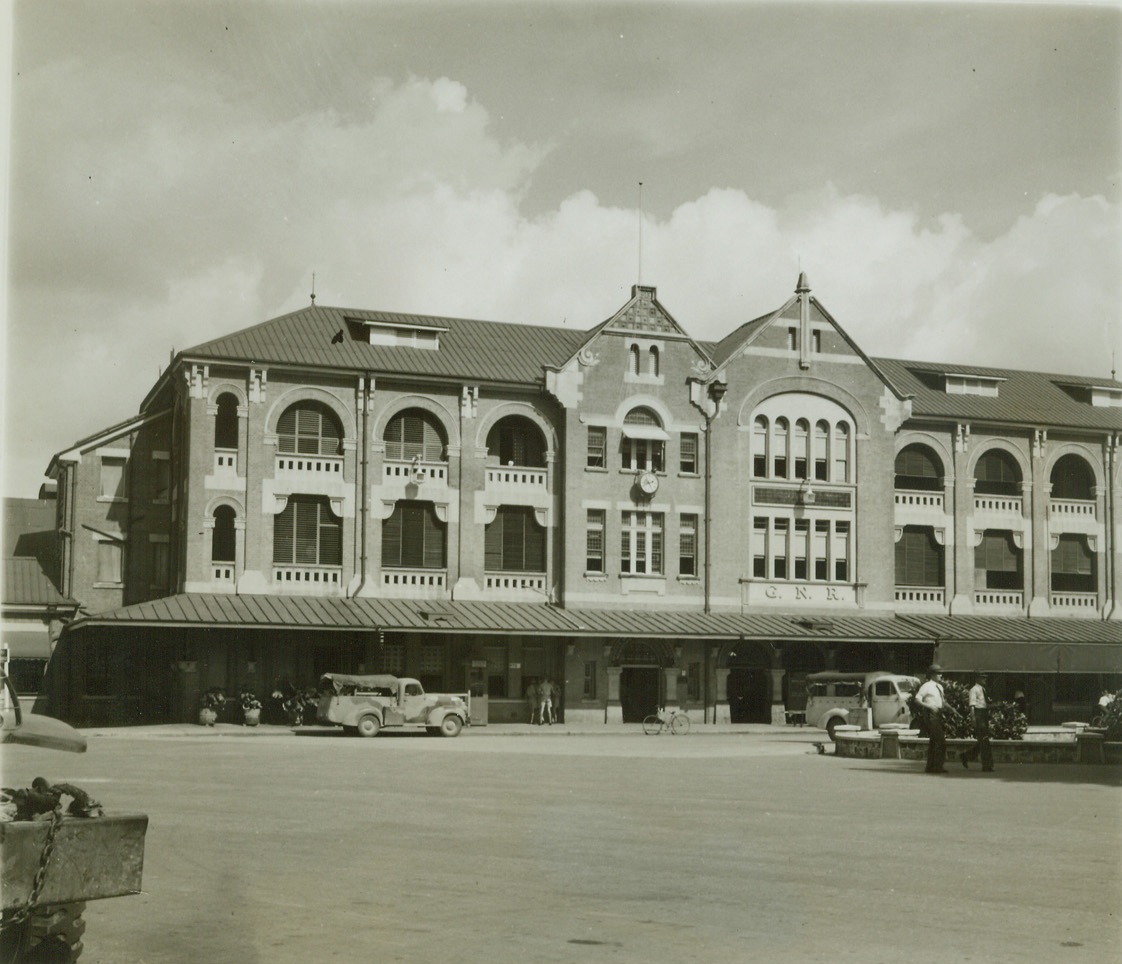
[1109, 716]
[1006, 721]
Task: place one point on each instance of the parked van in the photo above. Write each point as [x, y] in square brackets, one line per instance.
[831, 695]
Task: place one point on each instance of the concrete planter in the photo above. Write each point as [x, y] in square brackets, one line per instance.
[1044, 747]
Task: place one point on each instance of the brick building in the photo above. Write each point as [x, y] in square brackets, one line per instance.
[643, 517]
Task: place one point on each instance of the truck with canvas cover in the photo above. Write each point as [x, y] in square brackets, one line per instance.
[366, 704]
[830, 696]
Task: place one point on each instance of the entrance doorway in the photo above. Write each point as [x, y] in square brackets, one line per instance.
[639, 692]
[749, 691]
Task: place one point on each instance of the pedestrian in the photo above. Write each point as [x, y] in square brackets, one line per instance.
[545, 698]
[532, 700]
[931, 698]
[980, 711]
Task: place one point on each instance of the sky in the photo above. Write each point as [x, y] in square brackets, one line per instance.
[947, 175]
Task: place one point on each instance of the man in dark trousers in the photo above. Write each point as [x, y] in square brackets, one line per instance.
[931, 698]
[980, 710]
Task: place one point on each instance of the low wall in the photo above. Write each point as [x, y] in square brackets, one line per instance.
[1071, 746]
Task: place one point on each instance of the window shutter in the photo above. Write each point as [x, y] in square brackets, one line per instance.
[391, 538]
[412, 535]
[514, 525]
[306, 532]
[535, 544]
[433, 557]
[330, 537]
[493, 548]
[283, 530]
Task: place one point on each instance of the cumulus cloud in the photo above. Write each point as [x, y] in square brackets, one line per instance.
[139, 240]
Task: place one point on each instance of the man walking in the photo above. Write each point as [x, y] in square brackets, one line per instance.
[980, 710]
[545, 696]
[931, 698]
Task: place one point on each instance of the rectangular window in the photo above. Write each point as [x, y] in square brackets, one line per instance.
[821, 550]
[643, 454]
[594, 541]
[997, 562]
[779, 549]
[589, 690]
[802, 538]
[496, 671]
[597, 447]
[641, 543]
[693, 682]
[161, 565]
[687, 461]
[161, 477]
[919, 558]
[1073, 565]
[841, 551]
[113, 479]
[110, 562]
[413, 537]
[514, 542]
[792, 339]
[27, 675]
[816, 341]
[687, 545]
[759, 547]
[307, 533]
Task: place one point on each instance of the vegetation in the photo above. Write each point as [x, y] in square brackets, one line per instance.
[1006, 721]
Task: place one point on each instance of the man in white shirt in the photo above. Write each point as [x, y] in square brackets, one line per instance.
[931, 698]
[980, 710]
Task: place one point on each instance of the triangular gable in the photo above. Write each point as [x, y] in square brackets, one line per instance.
[791, 313]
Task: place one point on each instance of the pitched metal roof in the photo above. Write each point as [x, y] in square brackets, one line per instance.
[336, 338]
[1012, 630]
[1023, 397]
[26, 584]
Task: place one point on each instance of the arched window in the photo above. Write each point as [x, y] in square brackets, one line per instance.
[226, 422]
[644, 441]
[841, 452]
[800, 452]
[821, 451]
[309, 428]
[759, 447]
[223, 539]
[1072, 479]
[516, 440]
[918, 468]
[414, 433]
[652, 360]
[633, 360]
[997, 473]
[779, 449]
[307, 533]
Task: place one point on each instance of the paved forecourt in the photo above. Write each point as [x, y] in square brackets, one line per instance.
[527, 847]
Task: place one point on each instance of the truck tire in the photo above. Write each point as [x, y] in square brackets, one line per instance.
[451, 725]
[56, 932]
[369, 726]
[832, 724]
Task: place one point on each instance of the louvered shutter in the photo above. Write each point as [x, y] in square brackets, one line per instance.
[433, 539]
[413, 437]
[514, 554]
[283, 529]
[412, 535]
[535, 544]
[306, 537]
[493, 544]
[391, 538]
[330, 537]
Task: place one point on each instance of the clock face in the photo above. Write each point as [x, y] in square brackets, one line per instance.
[648, 483]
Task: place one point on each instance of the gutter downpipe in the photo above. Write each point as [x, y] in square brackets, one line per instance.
[363, 474]
[716, 393]
[1111, 524]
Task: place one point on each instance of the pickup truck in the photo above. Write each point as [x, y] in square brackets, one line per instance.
[366, 704]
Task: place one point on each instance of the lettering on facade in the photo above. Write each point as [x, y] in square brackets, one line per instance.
[784, 592]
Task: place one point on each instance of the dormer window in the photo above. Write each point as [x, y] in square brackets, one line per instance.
[1104, 397]
[400, 335]
[984, 385]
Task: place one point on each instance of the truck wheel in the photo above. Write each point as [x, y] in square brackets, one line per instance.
[451, 726]
[369, 726]
[60, 928]
[832, 725]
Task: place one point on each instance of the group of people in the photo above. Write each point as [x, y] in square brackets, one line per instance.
[932, 698]
[540, 697]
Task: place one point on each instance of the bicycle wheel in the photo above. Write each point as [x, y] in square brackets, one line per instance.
[680, 724]
[652, 725]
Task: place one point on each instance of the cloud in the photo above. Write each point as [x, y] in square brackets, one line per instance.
[131, 240]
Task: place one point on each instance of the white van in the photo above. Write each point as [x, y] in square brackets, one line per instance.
[831, 695]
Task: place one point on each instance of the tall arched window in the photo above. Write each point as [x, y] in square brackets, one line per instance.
[223, 539]
[821, 451]
[997, 473]
[841, 452]
[644, 441]
[918, 468]
[414, 433]
[226, 422]
[800, 451]
[633, 360]
[309, 428]
[759, 447]
[1072, 478]
[652, 360]
[779, 449]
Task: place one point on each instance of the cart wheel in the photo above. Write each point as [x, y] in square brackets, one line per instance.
[652, 725]
[369, 726]
[680, 724]
[55, 933]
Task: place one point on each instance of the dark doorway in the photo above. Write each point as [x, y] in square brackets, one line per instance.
[749, 693]
[638, 692]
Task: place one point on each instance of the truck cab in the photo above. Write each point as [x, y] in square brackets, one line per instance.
[366, 704]
[881, 696]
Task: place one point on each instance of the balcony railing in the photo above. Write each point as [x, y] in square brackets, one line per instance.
[424, 580]
[503, 475]
[318, 466]
[396, 470]
[1000, 598]
[925, 595]
[1072, 507]
[225, 461]
[1005, 504]
[530, 581]
[308, 578]
[919, 500]
[1075, 600]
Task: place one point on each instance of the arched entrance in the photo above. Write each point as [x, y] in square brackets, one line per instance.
[799, 659]
[749, 683]
[640, 681]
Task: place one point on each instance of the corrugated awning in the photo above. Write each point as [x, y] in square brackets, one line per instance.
[27, 643]
[645, 431]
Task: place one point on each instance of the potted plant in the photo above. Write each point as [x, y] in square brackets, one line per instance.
[251, 707]
[210, 703]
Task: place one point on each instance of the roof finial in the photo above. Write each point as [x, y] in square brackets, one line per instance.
[639, 280]
[313, 287]
[802, 285]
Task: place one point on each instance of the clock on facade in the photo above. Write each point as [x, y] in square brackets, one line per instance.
[648, 483]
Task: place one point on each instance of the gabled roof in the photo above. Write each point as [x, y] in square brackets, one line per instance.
[1034, 398]
[336, 338]
[103, 437]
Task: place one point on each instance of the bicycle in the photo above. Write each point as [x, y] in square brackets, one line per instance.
[677, 722]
